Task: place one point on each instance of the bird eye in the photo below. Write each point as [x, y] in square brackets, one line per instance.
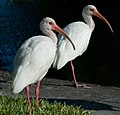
[50, 23]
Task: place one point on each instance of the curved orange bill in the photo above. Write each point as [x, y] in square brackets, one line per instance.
[102, 18]
[59, 30]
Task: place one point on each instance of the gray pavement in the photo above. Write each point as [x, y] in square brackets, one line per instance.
[104, 100]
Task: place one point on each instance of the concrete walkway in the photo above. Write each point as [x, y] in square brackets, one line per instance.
[103, 100]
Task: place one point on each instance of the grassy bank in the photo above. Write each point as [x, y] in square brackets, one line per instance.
[18, 106]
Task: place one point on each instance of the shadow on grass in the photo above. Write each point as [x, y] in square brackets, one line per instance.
[89, 105]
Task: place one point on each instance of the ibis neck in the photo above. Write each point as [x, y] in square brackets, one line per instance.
[51, 35]
[89, 21]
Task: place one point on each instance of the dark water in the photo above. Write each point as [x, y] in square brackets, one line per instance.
[99, 64]
[17, 23]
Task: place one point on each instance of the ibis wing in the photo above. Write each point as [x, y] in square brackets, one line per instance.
[32, 61]
[80, 34]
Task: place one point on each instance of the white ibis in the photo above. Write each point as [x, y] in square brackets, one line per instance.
[80, 34]
[34, 58]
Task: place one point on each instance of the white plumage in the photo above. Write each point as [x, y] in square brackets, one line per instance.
[65, 52]
[32, 61]
[35, 57]
[80, 34]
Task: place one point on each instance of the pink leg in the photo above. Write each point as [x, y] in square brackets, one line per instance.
[28, 96]
[73, 72]
[37, 93]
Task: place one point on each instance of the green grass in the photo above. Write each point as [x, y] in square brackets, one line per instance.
[18, 106]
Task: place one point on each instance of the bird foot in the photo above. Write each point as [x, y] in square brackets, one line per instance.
[37, 105]
[76, 85]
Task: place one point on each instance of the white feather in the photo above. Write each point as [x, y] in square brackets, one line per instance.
[32, 61]
[80, 34]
